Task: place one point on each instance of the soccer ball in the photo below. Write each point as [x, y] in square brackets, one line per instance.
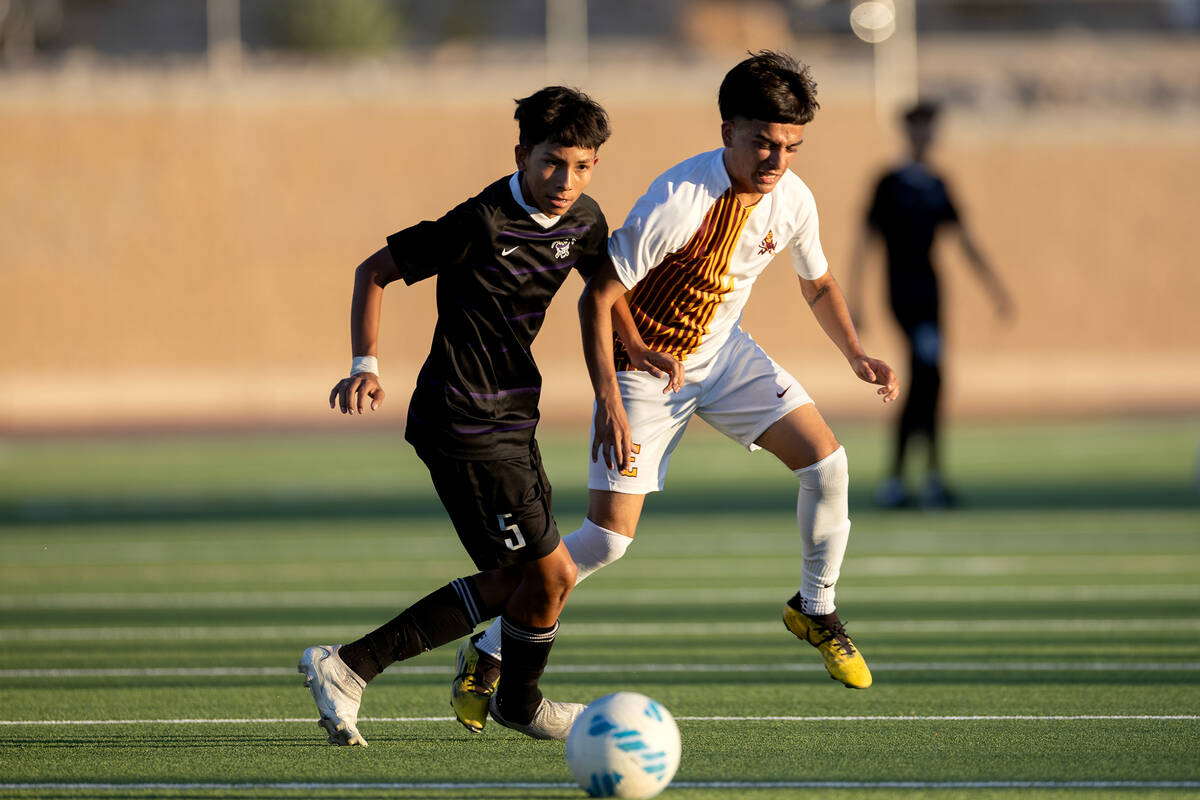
[624, 745]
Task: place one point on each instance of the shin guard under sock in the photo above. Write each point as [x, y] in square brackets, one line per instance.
[526, 651]
[822, 513]
[447, 614]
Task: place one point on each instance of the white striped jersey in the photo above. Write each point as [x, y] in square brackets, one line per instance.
[690, 253]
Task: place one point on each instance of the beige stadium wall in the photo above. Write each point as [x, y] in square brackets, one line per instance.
[175, 255]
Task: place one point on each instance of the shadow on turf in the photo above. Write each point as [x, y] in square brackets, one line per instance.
[569, 504]
[49, 791]
[160, 741]
[818, 682]
[168, 740]
[356, 792]
[811, 678]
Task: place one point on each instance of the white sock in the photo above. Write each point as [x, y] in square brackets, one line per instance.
[592, 547]
[822, 512]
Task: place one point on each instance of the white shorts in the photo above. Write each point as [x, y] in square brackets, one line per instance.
[741, 393]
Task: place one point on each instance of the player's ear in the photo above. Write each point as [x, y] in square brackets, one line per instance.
[727, 133]
[522, 157]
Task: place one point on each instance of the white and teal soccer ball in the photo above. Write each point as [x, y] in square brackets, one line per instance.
[624, 745]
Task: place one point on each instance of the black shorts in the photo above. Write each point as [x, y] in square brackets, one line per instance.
[500, 509]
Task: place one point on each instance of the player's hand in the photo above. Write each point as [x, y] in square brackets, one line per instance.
[872, 370]
[351, 393]
[612, 436]
[660, 365]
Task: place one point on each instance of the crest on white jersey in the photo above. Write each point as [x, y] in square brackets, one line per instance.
[767, 245]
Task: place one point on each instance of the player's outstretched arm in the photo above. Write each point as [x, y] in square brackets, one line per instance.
[612, 435]
[350, 394]
[824, 297]
[658, 364]
[983, 268]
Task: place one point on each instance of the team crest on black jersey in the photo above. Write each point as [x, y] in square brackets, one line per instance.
[562, 248]
[767, 245]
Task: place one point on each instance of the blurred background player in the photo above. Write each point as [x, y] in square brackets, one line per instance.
[688, 254]
[500, 256]
[910, 206]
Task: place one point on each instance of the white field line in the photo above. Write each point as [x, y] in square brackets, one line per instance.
[863, 718]
[710, 596]
[349, 631]
[756, 567]
[344, 787]
[884, 667]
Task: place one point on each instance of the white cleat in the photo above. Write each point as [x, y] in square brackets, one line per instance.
[550, 721]
[338, 692]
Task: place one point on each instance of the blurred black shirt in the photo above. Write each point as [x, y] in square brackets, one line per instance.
[908, 206]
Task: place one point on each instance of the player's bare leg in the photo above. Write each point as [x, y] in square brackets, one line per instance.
[528, 628]
[801, 438]
[591, 547]
[615, 511]
[541, 588]
[527, 648]
[806, 445]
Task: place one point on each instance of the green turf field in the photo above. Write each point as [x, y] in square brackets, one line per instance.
[1043, 640]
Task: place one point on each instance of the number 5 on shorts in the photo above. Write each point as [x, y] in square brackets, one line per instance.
[517, 540]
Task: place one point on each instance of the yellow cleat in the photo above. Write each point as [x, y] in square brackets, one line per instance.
[478, 676]
[842, 658]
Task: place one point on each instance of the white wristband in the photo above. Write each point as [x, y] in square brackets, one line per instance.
[364, 364]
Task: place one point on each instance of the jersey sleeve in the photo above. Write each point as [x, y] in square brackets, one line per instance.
[652, 230]
[949, 208]
[808, 259]
[597, 249]
[432, 246]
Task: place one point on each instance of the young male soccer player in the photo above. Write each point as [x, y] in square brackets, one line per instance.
[688, 255]
[500, 257]
[909, 207]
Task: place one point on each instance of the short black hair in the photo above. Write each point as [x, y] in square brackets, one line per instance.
[563, 116]
[924, 111]
[771, 87]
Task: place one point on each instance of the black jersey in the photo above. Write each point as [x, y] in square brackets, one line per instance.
[909, 205]
[477, 393]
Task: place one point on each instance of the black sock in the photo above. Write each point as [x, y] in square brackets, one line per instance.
[798, 604]
[450, 613]
[526, 651]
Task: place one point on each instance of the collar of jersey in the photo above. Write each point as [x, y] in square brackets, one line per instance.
[916, 173]
[545, 220]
